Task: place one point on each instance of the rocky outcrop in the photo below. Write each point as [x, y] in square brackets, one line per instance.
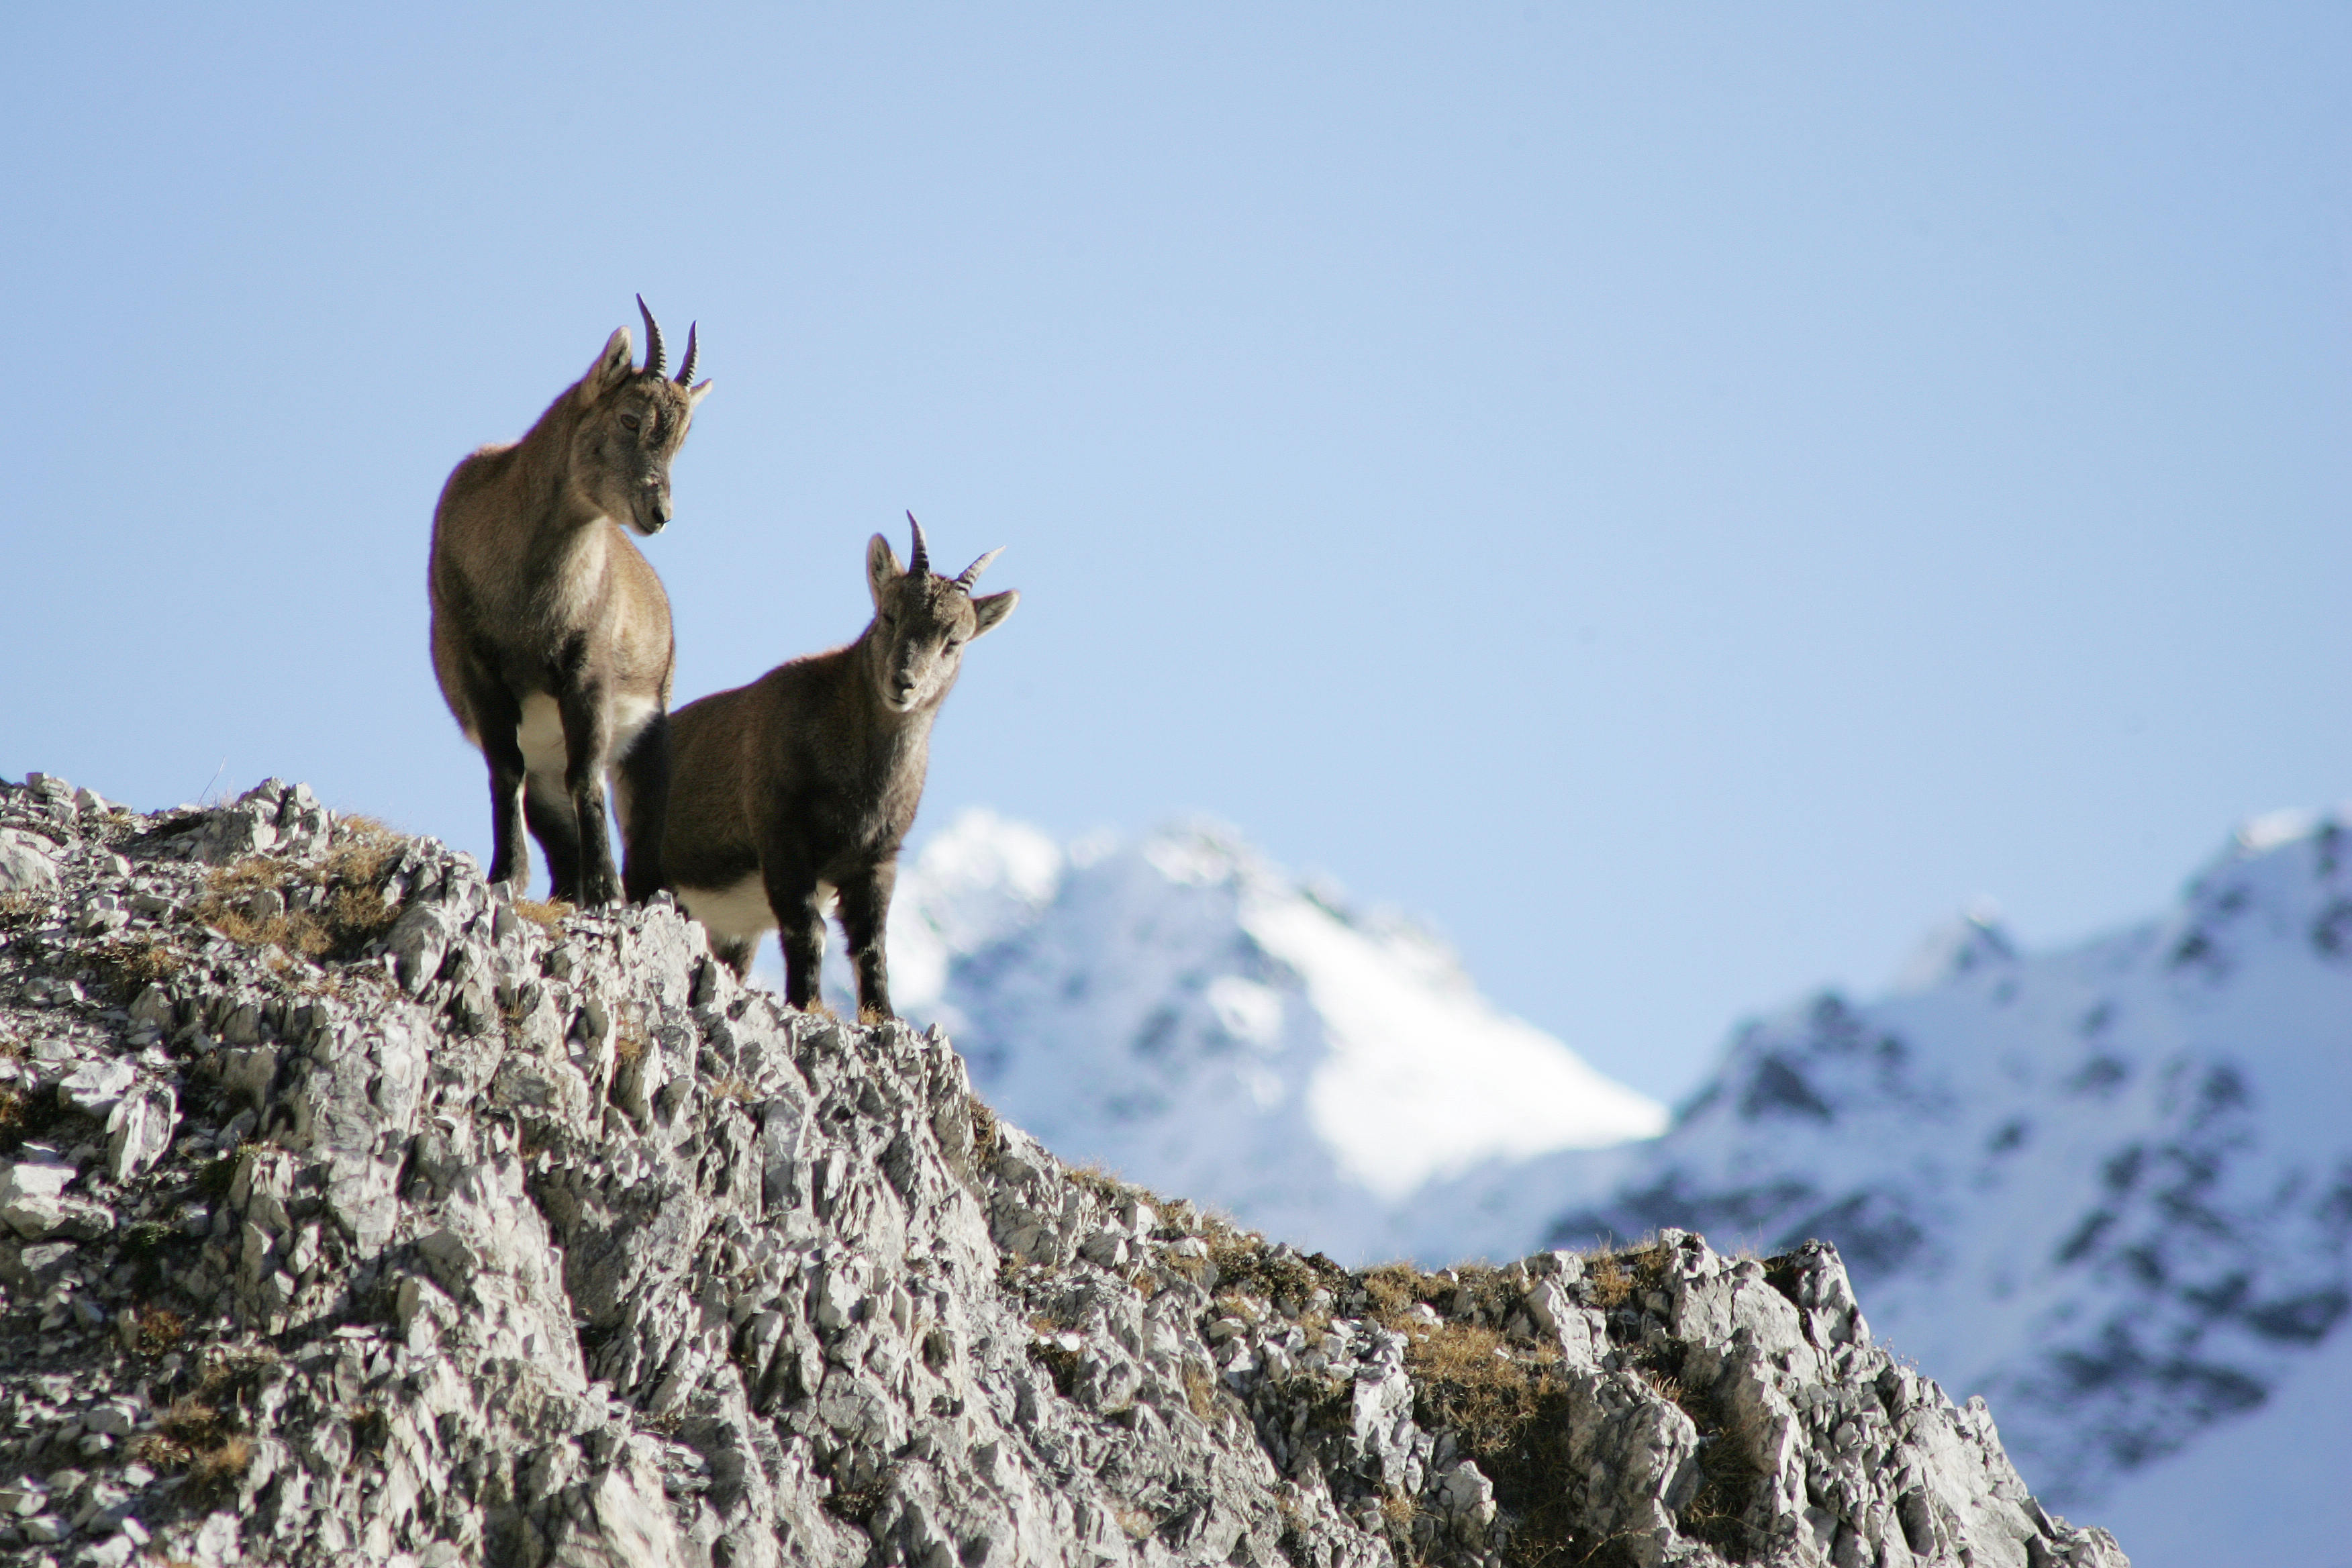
[360, 1215]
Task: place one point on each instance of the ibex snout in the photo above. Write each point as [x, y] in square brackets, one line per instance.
[652, 512]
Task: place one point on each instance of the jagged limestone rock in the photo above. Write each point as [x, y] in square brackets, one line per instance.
[366, 1219]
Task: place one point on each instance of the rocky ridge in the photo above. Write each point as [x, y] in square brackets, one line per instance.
[359, 1214]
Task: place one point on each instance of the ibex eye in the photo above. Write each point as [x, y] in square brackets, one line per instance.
[631, 423]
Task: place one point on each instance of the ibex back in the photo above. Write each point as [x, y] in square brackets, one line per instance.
[804, 783]
[550, 633]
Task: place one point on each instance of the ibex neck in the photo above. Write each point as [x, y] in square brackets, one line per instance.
[543, 457]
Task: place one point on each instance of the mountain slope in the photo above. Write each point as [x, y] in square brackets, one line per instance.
[1187, 1015]
[2109, 1187]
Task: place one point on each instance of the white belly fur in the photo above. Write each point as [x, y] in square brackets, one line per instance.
[732, 914]
[543, 753]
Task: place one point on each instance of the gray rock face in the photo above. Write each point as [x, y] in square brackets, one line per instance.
[397, 1227]
[25, 863]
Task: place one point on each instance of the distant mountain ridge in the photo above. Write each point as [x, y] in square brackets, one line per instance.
[2111, 1187]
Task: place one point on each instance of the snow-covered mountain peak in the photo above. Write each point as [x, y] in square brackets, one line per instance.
[2261, 834]
[1971, 941]
[1202, 852]
[1180, 1008]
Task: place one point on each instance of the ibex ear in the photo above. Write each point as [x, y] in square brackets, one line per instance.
[696, 394]
[882, 567]
[613, 367]
[992, 608]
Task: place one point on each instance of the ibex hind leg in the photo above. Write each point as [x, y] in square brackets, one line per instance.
[493, 721]
[641, 787]
[548, 808]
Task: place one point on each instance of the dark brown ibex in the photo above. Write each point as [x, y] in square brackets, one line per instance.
[805, 782]
[550, 633]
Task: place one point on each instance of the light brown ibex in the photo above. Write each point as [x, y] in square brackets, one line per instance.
[805, 782]
[550, 633]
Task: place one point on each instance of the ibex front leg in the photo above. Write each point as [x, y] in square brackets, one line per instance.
[799, 908]
[587, 738]
[864, 920]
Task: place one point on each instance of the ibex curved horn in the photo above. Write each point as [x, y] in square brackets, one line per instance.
[921, 564]
[970, 574]
[654, 357]
[686, 371]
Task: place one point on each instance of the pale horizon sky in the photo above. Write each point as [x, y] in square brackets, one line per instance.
[1684, 500]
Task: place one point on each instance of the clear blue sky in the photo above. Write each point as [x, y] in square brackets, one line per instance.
[1685, 498]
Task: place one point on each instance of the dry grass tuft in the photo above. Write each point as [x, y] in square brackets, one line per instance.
[1611, 1278]
[213, 1472]
[351, 914]
[1607, 1282]
[631, 1039]
[1506, 1405]
[199, 1436]
[1112, 1189]
[202, 1433]
[1394, 1289]
[547, 914]
[1200, 1391]
[1196, 1270]
[21, 910]
[1245, 1262]
[159, 1331]
[28, 1114]
[1510, 1414]
[984, 1141]
[131, 964]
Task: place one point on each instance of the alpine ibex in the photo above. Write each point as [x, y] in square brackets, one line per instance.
[550, 633]
[805, 782]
